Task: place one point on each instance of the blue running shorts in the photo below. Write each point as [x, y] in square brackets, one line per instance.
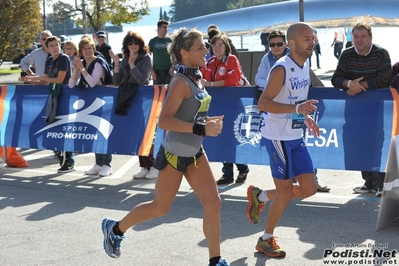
[288, 159]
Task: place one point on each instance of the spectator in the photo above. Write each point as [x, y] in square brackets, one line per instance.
[37, 57]
[338, 43]
[184, 116]
[96, 53]
[212, 32]
[348, 38]
[135, 68]
[278, 49]
[289, 156]
[71, 50]
[222, 70]
[212, 27]
[57, 72]
[395, 76]
[364, 66]
[34, 46]
[264, 37]
[163, 67]
[316, 50]
[88, 73]
[102, 46]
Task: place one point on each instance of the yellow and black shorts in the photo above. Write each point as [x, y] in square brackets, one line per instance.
[165, 157]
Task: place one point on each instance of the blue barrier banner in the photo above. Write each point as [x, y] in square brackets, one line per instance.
[355, 131]
[85, 120]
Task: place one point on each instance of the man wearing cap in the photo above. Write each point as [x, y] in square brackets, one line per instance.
[102, 46]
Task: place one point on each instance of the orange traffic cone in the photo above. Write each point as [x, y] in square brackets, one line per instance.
[13, 158]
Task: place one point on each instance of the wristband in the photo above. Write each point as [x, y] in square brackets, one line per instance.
[349, 82]
[199, 129]
[297, 108]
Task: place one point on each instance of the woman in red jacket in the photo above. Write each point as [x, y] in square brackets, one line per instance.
[222, 70]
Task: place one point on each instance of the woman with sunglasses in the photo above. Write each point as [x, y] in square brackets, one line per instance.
[278, 48]
[223, 70]
[135, 70]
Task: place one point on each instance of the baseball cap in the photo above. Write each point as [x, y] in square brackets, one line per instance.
[101, 33]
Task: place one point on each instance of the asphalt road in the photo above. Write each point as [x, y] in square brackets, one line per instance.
[53, 219]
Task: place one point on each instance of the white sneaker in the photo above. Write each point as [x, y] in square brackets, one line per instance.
[152, 174]
[144, 171]
[94, 170]
[105, 171]
[363, 189]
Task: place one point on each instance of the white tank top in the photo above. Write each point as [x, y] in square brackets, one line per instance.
[340, 35]
[295, 90]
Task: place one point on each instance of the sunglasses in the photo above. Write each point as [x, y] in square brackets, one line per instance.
[101, 37]
[279, 44]
[43, 39]
[134, 42]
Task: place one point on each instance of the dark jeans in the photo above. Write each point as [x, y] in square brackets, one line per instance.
[69, 159]
[147, 161]
[163, 77]
[338, 46]
[373, 180]
[348, 44]
[103, 159]
[317, 60]
[228, 169]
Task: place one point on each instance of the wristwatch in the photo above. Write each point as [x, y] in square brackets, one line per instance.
[83, 70]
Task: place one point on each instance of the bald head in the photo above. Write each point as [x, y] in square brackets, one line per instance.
[295, 28]
[300, 38]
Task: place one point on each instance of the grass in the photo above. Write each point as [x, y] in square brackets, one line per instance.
[8, 71]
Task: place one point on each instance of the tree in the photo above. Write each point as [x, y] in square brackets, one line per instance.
[99, 12]
[247, 3]
[165, 16]
[21, 23]
[186, 9]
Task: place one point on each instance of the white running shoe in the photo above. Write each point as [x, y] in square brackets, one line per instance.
[105, 171]
[94, 170]
[144, 171]
[152, 174]
[363, 189]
